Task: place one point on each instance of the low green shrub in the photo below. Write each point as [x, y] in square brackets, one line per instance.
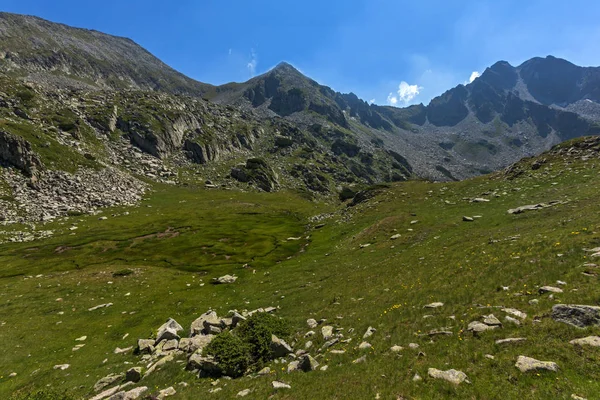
[231, 353]
[122, 272]
[256, 331]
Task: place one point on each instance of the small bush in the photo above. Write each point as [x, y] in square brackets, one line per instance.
[257, 331]
[231, 353]
[122, 272]
[346, 194]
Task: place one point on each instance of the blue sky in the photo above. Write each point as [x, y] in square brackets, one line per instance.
[369, 47]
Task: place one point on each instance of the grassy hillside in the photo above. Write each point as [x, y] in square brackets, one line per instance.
[180, 238]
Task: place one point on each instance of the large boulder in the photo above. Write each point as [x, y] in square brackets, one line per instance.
[308, 363]
[526, 364]
[168, 331]
[195, 344]
[198, 325]
[580, 316]
[205, 365]
[279, 348]
[107, 381]
[145, 346]
[17, 152]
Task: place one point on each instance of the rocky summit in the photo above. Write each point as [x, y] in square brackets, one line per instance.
[276, 239]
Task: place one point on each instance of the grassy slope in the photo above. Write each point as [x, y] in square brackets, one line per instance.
[384, 285]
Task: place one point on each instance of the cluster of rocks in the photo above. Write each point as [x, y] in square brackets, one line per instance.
[137, 162]
[58, 193]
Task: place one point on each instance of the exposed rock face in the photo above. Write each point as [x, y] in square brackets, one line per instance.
[16, 151]
[580, 316]
[256, 171]
[57, 193]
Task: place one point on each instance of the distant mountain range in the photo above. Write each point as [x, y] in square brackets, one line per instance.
[505, 114]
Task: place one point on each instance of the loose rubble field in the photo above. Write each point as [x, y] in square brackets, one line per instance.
[424, 291]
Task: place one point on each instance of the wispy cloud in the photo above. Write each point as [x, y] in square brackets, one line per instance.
[372, 101]
[474, 75]
[252, 63]
[405, 94]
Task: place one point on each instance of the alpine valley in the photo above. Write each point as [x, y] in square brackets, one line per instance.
[299, 242]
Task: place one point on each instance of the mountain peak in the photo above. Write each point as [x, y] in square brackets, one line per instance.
[286, 68]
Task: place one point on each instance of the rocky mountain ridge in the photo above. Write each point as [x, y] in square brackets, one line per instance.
[75, 99]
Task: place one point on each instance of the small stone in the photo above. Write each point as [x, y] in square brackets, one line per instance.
[434, 305]
[514, 312]
[593, 341]
[12, 374]
[364, 346]
[478, 327]
[62, 367]
[360, 360]
[225, 279]
[491, 320]
[451, 375]
[413, 346]
[396, 349]
[119, 350]
[490, 357]
[280, 385]
[370, 331]
[312, 323]
[417, 378]
[170, 391]
[243, 393]
[81, 339]
[396, 236]
[525, 364]
[575, 397]
[324, 368]
[512, 320]
[467, 219]
[264, 371]
[293, 366]
[327, 332]
[550, 289]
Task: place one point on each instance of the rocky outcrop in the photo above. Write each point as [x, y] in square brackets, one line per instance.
[59, 193]
[258, 172]
[580, 316]
[17, 152]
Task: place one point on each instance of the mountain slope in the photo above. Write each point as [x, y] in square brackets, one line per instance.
[61, 55]
[502, 116]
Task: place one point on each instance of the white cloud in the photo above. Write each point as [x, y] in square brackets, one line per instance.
[405, 94]
[252, 63]
[230, 51]
[408, 92]
[474, 75]
[372, 101]
[392, 100]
